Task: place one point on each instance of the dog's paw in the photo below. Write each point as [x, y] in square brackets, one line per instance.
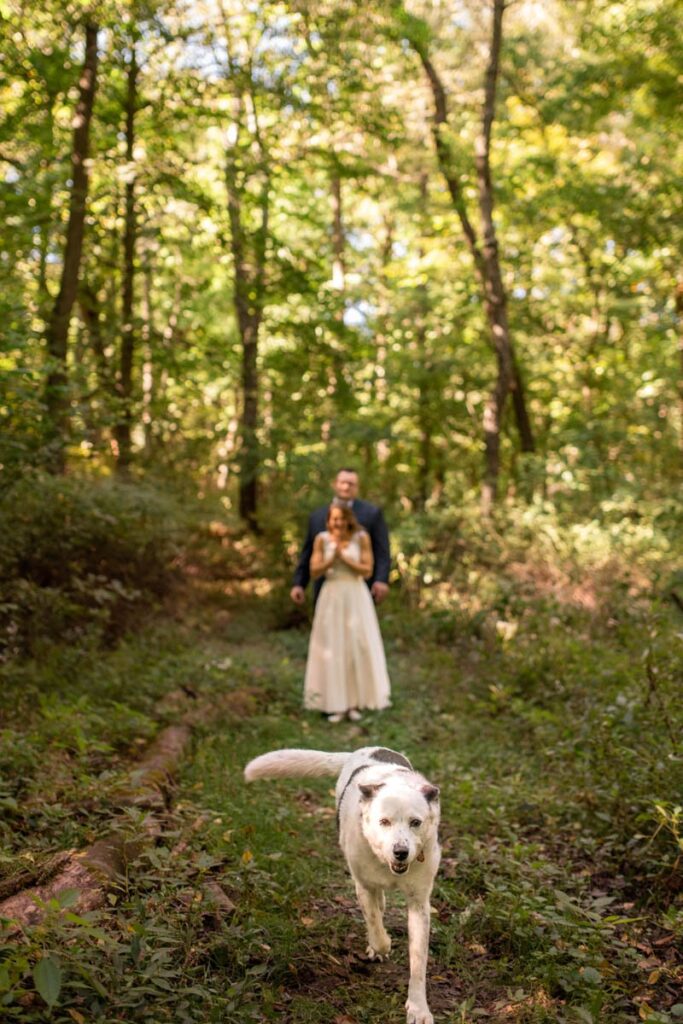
[379, 944]
[418, 1013]
[379, 951]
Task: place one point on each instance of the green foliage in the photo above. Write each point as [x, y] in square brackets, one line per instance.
[542, 685]
[548, 714]
[47, 976]
[392, 370]
[81, 555]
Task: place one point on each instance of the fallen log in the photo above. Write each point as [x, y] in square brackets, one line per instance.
[89, 872]
[148, 784]
[37, 874]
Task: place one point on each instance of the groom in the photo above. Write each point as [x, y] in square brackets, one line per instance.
[370, 517]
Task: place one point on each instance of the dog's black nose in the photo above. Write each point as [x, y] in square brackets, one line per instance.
[401, 852]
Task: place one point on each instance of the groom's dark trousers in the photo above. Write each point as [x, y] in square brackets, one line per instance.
[371, 519]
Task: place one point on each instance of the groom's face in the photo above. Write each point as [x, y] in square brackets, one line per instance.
[346, 485]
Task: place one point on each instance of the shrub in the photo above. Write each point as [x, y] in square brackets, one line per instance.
[80, 556]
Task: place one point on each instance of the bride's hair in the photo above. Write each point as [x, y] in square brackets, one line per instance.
[352, 524]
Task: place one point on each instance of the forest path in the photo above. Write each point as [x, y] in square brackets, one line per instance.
[243, 912]
[278, 842]
[534, 916]
[520, 904]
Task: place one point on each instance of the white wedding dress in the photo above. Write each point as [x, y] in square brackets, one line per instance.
[346, 667]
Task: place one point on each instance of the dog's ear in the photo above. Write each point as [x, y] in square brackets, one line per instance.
[430, 793]
[368, 791]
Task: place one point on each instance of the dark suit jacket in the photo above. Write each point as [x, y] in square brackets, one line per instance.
[371, 519]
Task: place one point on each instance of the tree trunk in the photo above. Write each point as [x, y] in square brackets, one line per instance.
[524, 427]
[148, 377]
[57, 331]
[249, 292]
[336, 376]
[124, 382]
[44, 298]
[679, 310]
[485, 255]
[426, 392]
[495, 297]
[384, 314]
[250, 456]
[338, 236]
[248, 331]
[90, 314]
[382, 341]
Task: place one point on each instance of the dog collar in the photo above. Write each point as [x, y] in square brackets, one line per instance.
[360, 768]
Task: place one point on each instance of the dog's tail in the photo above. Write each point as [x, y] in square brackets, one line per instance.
[295, 763]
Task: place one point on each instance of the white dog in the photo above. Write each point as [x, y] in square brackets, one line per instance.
[388, 817]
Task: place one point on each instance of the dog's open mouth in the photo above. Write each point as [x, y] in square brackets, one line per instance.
[399, 867]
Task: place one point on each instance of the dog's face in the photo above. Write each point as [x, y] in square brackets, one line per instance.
[397, 820]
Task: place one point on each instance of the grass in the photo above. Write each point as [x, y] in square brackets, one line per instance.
[545, 863]
[553, 730]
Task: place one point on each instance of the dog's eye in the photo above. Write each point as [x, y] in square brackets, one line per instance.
[415, 822]
[384, 822]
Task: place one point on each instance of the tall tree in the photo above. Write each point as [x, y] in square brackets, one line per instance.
[484, 250]
[679, 315]
[124, 380]
[249, 268]
[58, 327]
[338, 232]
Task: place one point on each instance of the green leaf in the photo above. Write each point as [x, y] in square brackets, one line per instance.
[92, 980]
[47, 977]
[68, 898]
[676, 1010]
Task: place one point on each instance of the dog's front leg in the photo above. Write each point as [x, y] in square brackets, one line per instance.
[418, 945]
[372, 904]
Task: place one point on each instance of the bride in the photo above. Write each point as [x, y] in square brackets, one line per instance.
[346, 668]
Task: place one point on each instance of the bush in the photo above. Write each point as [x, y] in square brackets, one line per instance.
[80, 556]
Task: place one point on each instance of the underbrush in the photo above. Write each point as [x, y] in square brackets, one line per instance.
[73, 725]
[450, 555]
[81, 557]
[559, 897]
[550, 716]
[594, 702]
